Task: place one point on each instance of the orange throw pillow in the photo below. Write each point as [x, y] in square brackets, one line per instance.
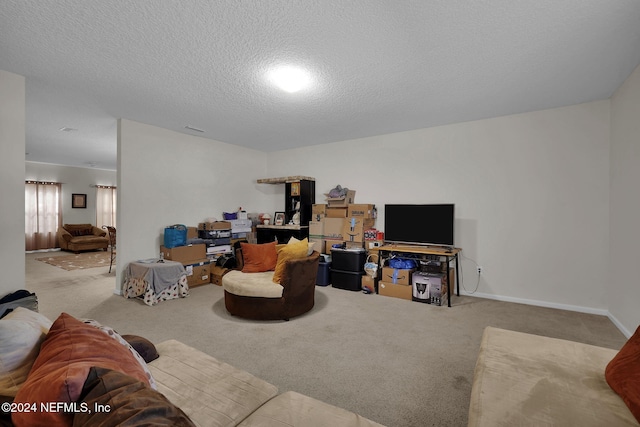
[258, 257]
[623, 374]
[293, 250]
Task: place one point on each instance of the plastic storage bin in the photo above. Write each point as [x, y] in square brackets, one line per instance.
[349, 260]
[324, 274]
[348, 280]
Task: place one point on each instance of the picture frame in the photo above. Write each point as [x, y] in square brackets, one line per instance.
[278, 218]
[79, 201]
[295, 188]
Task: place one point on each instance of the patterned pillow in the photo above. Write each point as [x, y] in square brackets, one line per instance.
[113, 334]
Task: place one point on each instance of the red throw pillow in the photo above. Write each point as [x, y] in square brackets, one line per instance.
[69, 350]
[623, 374]
[259, 257]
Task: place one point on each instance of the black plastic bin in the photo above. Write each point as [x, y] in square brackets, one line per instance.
[351, 260]
[324, 274]
[348, 280]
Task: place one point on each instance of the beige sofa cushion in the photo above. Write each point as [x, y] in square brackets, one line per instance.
[252, 284]
[210, 392]
[529, 380]
[294, 409]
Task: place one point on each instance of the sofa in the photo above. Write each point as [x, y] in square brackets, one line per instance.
[529, 380]
[251, 292]
[77, 372]
[82, 237]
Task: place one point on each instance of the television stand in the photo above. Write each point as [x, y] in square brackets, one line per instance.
[450, 254]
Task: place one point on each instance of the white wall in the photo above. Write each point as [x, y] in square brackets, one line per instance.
[74, 180]
[622, 286]
[165, 178]
[12, 143]
[531, 195]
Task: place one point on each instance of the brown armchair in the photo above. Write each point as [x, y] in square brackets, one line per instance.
[298, 291]
[82, 237]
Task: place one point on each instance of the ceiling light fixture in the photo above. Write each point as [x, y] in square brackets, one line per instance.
[194, 129]
[66, 129]
[289, 78]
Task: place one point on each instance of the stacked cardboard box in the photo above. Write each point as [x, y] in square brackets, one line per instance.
[395, 282]
[341, 223]
[194, 259]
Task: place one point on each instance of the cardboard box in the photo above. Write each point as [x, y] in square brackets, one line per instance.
[342, 201]
[316, 229]
[336, 212]
[328, 244]
[185, 254]
[192, 233]
[318, 212]
[216, 274]
[363, 211]
[368, 282]
[219, 249]
[397, 276]
[394, 290]
[241, 225]
[429, 288]
[318, 244]
[218, 225]
[333, 228]
[353, 228]
[198, 273]
[353, 245]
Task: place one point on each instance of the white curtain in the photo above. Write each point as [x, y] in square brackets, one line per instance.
[105, 206]
[42, 214]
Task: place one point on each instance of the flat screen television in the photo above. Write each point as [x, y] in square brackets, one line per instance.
[430, 224]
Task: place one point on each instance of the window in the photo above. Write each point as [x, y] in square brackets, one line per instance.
[105, 206]
[42, 214]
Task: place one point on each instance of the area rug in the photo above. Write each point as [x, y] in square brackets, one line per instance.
[79, 261]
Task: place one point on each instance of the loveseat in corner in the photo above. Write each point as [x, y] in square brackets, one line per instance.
[530, 380]
[82, 237]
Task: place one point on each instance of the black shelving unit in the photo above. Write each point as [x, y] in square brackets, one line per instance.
[302, 192]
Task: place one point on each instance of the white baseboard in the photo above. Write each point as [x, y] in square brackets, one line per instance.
[569, 307]
[627, 333]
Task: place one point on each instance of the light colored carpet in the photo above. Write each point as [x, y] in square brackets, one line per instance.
[397, 362]
[83, 260]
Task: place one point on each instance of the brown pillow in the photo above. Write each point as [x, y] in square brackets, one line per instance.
[259, 257]
[81, 232]
[623, 374]
[129, 402]
[143, 346]
[69, 350]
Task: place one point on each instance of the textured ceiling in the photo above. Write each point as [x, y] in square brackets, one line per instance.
[379, 66]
